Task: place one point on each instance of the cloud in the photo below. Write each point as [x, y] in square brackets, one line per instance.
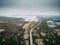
[28, 11]
[7, 3]
[29, 7]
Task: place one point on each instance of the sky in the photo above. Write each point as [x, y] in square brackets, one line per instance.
[29, 8]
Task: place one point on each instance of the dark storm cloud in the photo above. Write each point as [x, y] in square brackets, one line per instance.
[59, 3]
[29, 7]
[11, 3]
[6, 3]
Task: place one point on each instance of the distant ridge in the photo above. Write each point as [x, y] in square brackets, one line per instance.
[10, 18]
[54, 18]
